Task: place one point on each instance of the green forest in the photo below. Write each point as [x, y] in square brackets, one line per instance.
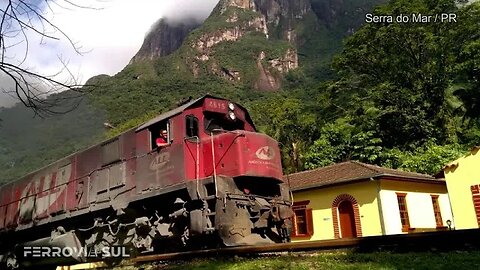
[400, 95]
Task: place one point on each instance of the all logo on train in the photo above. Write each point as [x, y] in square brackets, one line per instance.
[265, 153]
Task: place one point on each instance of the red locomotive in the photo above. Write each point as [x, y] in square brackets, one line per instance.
[209, 177]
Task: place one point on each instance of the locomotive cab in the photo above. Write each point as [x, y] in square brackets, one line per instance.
[232, 173]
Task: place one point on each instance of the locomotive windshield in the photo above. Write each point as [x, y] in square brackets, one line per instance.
[218, 121]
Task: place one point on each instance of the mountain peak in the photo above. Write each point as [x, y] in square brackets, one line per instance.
[246, 42]
[165, 37]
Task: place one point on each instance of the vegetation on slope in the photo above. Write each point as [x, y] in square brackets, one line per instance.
[397, 95]
[28, 143]
[394, 92]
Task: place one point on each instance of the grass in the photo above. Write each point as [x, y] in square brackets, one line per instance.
[333, 261]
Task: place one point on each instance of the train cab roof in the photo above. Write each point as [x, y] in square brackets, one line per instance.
[184, 107]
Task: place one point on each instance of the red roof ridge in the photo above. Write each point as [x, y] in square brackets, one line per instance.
[316, 169]
[368, 166]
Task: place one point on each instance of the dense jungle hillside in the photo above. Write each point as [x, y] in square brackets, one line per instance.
[328, 86]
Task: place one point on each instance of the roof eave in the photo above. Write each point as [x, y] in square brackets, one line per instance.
[411, 177]
[372, 177]
[171, 113]
[346, 181]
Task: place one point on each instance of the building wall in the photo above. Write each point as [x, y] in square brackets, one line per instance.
[419, 205]
[321, 200]
[461, 175]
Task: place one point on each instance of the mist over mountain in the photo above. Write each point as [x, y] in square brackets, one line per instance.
[165, 37]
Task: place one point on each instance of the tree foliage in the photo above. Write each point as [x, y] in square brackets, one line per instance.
[406, 69]
[467, 67]
[288, 121]
[393, 87]
[341, 141]
[429, 159]
[28, 143]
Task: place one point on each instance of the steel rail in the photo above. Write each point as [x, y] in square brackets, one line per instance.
[244, 250]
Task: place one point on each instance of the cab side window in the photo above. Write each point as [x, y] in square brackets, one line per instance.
[191, 126]
[160, 135]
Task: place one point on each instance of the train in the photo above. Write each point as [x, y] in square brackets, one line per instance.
[214, 182]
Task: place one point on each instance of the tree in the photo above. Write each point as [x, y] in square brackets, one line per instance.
[342, 141]
[24, 20]
[288, 121]
[405, 68]
[429, 159]
[394, 92]
[467, 68]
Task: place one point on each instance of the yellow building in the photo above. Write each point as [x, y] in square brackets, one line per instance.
[463, 183]
[353, 199]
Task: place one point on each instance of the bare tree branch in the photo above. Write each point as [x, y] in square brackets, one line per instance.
[22, 20]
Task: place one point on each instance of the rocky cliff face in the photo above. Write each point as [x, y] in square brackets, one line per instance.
[249, 23]
[164, 38]
[205, 43]
[267, 80]
[254, 42]
[284, 16]
[281, 16]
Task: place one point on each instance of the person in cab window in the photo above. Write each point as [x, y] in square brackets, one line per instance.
[163, 139]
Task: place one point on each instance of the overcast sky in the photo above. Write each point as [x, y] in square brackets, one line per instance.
[109, 35]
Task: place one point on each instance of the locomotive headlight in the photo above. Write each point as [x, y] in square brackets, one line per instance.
[231, 115]
[231, 106]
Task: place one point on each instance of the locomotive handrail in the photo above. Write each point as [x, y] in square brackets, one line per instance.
[214, 165]
[197, 160]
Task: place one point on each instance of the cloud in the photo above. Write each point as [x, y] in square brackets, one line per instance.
[6, 99]
[180, 10]
[109, 35]
[114, 34]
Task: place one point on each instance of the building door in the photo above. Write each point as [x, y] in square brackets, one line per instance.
[347, 219]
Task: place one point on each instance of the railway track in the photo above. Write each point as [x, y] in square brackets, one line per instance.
[428, 241]
[229, 251]
[248, 250]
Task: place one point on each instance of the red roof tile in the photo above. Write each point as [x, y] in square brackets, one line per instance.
[347, 172]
